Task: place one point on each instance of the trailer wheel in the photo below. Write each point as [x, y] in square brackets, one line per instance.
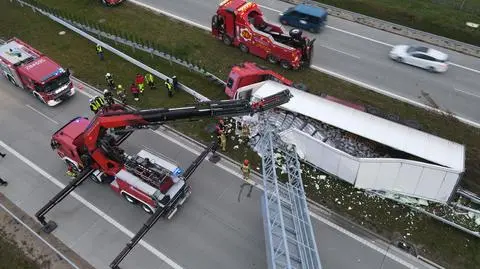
[129, 198]
[285, 64]
[272, 59]
[227, 40]
[147, 209]
[243, 48]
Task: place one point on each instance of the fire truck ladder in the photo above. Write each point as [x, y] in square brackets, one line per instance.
[290, 240]
[160, 213]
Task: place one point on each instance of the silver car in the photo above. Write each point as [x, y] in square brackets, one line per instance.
[423, 57]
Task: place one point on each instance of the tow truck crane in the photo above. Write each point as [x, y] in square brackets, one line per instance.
[98, 149]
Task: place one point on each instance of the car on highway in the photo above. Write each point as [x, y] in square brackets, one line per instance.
[420, 56]
[307, 17]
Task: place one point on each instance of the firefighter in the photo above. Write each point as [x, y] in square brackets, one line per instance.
[110, 81]
[140, 80]
[169, 86]
[108, 95]
[246, 170]
[71, 172]
[96, 103]
[223, 141]
[150, 82]
[175, 83]
[121, 94]
[99, 50]
[134, 90]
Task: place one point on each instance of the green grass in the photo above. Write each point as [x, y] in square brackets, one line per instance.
[79, 55]
[437, 17]
[11, 256]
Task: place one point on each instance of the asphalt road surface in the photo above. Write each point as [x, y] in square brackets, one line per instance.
[214, 229]
[359, 54]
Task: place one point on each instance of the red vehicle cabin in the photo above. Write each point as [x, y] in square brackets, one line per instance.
[29, 69]
[241, 24]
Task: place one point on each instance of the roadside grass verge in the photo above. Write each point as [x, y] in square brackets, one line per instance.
[11, 256]
[79, 55]
[437, 17]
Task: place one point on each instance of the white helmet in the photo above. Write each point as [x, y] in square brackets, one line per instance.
[108, 75]
[105, 91]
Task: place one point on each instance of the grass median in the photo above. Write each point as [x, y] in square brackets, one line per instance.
[190, 43]
[443, 18]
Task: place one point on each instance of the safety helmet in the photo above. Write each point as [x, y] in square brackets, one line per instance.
[246, 162]
[108, 75]
[119, 86]
[105, 91]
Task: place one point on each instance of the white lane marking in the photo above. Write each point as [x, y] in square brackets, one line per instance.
[259, 186]
[342, 52]
[39, 237]
[466, 68]
[467, 93]
[109, 219]
[372, 40]
[170, 15]
[41, 114]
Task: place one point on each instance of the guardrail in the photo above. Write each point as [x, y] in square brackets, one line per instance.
[395, 28]
[68, 22]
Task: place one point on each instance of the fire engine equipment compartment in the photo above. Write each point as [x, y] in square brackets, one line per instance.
[241, 24]
[28, 68]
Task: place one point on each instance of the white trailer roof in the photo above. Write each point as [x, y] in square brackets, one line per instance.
[14, 52]
[392, 134]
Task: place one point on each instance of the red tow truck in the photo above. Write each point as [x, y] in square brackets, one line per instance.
[92, 147]
[241, 24]
[28, 68]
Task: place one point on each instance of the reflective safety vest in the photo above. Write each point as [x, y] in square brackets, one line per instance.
[169, 85]
[149, 78]
[246, 169]
[99, 48]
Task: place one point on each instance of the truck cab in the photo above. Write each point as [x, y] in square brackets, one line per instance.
[27, 68]
[249, 73]
[241, 24]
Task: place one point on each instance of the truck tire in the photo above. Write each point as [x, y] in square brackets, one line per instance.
[129, 198]
[272, 59]
[12, 80]
[227, 40]
[243, 48]
[147, 209]
[285, 64]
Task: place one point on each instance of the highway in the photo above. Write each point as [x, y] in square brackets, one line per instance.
[359, 54]
[214, 229]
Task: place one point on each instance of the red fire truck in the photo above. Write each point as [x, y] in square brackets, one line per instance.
[30, 69]
[241, 24]
[91, 146]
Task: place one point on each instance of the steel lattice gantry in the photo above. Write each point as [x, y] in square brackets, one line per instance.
[289, 233]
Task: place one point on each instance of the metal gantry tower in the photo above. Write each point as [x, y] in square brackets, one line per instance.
[289, 233]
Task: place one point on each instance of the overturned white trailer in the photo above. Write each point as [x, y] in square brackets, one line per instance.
[432, 175]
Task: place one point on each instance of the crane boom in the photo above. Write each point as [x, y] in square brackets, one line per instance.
[99, 150]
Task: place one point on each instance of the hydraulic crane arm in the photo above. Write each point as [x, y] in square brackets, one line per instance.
[100, 151]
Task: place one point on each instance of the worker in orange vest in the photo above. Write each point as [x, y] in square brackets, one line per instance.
[246, 170]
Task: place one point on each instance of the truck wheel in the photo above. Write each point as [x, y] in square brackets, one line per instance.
[12, 81]
[285, 64]
[243, 48]
[129, 198]
[272, 59]
[227, 40]
[147, 209]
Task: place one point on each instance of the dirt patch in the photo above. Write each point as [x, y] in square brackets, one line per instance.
[22, 249]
